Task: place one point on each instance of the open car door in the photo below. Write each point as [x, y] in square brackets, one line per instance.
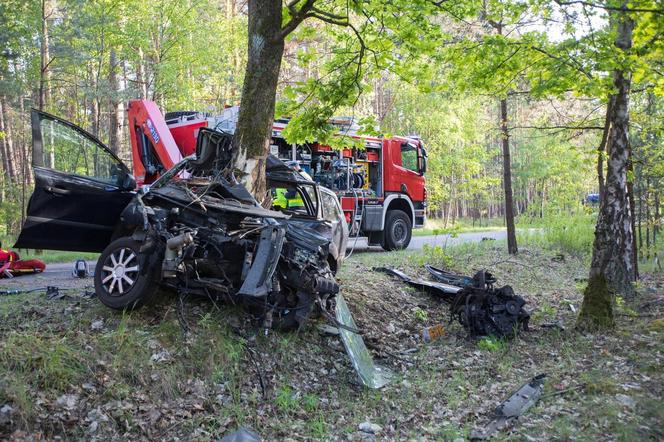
[81, 188]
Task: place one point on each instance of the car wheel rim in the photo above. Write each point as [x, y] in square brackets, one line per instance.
[119, 272]
[399, 232]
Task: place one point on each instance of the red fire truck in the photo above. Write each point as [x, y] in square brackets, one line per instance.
[381, 185]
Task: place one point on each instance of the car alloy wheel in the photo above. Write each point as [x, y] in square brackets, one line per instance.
[120, 271]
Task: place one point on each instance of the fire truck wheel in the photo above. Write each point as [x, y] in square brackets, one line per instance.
[398, 230]
[120, 283]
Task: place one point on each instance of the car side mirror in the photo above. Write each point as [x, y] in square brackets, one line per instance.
[128, 182]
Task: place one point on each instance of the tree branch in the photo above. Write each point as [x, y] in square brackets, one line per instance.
[297, 16]
[607, 8]
[572, 65]
[559, 127]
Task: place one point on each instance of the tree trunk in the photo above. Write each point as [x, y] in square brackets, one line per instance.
[507, 180]
[44, 77]
[639, 231]
[26, 169]
[612, 269]
[141, 81]
[94, 116]
[601, 149]
[5, 127]
[648, 221]
[115, 111]
[254, 126]
[45, 59]
[632, 208]
[4, 154]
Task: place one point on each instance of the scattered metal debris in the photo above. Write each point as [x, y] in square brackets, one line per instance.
[52, 292]
[241, 435]
[370, 374]
[510, 410]
[444, 290]
[555, 324]
[55, 293]
[482, 309]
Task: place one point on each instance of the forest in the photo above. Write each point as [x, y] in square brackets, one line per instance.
[543, 118]
[84, 60]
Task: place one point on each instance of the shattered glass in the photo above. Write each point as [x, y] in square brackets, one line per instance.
[370, 374]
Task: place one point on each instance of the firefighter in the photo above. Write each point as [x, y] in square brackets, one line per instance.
[287, 198]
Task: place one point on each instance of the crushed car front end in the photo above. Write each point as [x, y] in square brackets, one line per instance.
[202, 235]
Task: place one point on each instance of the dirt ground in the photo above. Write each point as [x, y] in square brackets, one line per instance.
[73, 369]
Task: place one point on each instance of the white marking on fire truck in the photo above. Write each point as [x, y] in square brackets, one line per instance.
[153, 131]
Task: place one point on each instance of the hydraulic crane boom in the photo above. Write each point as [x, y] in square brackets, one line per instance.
[153, 147]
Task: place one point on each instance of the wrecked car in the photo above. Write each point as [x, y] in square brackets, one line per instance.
[195, 230]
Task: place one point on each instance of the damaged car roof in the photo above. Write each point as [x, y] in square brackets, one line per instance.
[277, 170]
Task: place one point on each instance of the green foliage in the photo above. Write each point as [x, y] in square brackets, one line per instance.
[545, 312]
[599, 382]
[434, 255]
[455, 136]
[569, 233]
[491, 344]
[285, 399]
[371, 37]
[421, 314]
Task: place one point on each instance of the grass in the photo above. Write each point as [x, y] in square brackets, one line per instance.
[569, 234]
[225, 373]
[48, 256]
[434, 226]
[56, 256]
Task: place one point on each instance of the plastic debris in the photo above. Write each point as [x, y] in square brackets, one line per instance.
[510, 410]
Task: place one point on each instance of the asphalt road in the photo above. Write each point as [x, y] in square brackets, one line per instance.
[417, 242]
[61, 274]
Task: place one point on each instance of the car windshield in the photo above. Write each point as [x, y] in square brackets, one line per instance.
[173, 171]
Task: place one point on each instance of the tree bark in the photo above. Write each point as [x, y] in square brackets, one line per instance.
[4, 153]
[507, 180]
[44, 77]
[640, 216]
[632, 207]
[5, 127]
[612, 270]
[140, 76]
[254, 126]
[601, 149]
[115, 111]
[45, 59]
[648, 220]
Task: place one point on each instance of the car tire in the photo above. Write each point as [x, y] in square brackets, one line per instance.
[398, 230]
[120, 283]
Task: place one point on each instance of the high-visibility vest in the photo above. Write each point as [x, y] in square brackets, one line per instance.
[282, 200]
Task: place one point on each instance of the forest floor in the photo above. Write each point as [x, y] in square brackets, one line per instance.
[74, 369]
